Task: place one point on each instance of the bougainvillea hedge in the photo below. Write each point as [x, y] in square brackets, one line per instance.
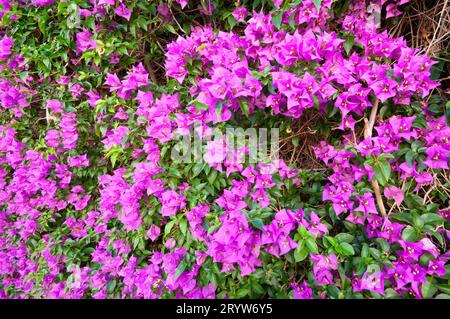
[95, 93]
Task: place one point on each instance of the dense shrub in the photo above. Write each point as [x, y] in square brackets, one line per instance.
[96, 96]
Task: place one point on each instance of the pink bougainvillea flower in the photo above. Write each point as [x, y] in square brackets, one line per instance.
[373, 282]
[77, 227]
[393, 192]
[437, 157]
[240, 14]
[366, 204]
[445, 213]
[153, 232]
[76, 90]
[6, 44]
[302, 291]
[215, 152]
[52, 138]
[411, 251]
[106, 2]
[123, 11]
[323, 267]
[69, 135]
[41, 3]
[164, 11]
[171, 202]
[55, 105]
[93, 98]
[116, 136]
[261, 197]
[81, 161]
[113, 81]
[85, 41]
[63, 79]
[436, 267]
[314, 226]
[182, 3]
[341, 205]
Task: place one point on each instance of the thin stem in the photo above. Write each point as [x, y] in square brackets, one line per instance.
[369, 124]
[438, 26]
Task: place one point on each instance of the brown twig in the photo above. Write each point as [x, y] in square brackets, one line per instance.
[150, 71]
[438, 26]
[367, 134]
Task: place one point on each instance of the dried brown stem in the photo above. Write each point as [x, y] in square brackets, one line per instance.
[367, 134]
[150, 71]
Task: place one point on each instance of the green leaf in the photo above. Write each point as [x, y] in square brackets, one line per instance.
[110, 286]
[410, 234]
[257, 289]
[413, 201]
[170, 28]
[428, 289]
[245, 107]
[444, 288]
[295, 3]
[401, 217]
[241, 293]
[212, 176]
[409, 157]
[257, 223]
[183, 226]
[348, 44]
[312, 246]
[180, 269]
[382, 172]
[169, 227]
[344, 238]
[300, 253]
[23, 75]
[42, 24]
[277, 18]
[385, 169]
[439, 237]
[417, 220]
[199, 106]
[433, 219]
[347, 249]
[317, 3]
[197, 169]
[383, 111]
[175, 172]
[231, 21]
[114, 159]
[90, 22]
[302, 231]
[331, 241]
[365, 250]
[292, 21]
